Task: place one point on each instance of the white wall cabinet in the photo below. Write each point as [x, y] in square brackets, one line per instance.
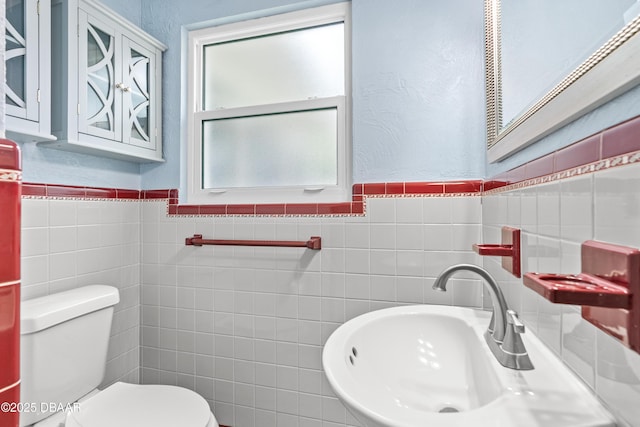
[28, 70]
[107, 84]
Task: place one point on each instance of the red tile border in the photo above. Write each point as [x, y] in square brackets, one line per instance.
[9, 334]
[210, 209]
[394, 188]
[241, 209]
[424, 188]
[618, 140]
[621, 139]
[615, 141]
[375, 188]
[355, 207]
[37, 190]
[11, 396]
[335, 208]
[540, 167]
[463, 187]
[580, 154]
[65, 191]
[9, 232]
[270, 209]
[9, 155]
[101, 193]
[157, 194]
[301, 209]
[188, 210]
[128, 194]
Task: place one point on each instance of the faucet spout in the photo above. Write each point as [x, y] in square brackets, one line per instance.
[509, 351]
[498, 325]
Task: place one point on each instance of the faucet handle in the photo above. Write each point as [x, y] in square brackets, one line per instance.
[512, 347]
[514, 321]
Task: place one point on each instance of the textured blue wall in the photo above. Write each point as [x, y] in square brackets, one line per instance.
[418, 95]
[418, 91]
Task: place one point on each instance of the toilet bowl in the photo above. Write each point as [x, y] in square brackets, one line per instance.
[132, 405]
[64, 339]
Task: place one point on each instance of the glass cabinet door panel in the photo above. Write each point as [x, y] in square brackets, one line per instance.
[98, 79]
[137, 102]
[21, 56]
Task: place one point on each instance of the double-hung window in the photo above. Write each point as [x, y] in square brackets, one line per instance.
[269, 109]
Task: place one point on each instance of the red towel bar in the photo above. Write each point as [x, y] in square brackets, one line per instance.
[315, 242]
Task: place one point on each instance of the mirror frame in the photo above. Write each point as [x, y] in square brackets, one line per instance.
[610, 71]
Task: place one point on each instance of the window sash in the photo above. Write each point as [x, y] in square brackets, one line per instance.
[271, 194]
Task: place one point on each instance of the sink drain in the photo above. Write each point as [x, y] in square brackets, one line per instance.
[448, 409]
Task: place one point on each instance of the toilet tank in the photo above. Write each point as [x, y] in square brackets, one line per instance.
[64, 341]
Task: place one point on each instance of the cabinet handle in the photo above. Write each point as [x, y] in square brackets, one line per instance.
[123, 88]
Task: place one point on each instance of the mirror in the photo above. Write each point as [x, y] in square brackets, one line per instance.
[548, 65]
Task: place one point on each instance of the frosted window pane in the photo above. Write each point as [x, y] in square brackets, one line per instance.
[282, 67]
[276, 150]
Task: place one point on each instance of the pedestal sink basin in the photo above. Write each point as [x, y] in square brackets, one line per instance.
[429, 365]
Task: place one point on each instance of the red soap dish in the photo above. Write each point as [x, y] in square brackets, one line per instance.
[509, 250]
[608, 289]
[493, 250]
[579, 289]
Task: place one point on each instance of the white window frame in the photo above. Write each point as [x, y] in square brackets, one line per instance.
[200, 38]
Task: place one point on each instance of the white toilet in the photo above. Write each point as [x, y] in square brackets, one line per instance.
[64, 340]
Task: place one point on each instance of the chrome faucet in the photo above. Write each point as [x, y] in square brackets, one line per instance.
[503, 334]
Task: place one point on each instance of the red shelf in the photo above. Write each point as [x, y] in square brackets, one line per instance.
[509, 250]
[579, 289]
[493, 250]
[608, 289]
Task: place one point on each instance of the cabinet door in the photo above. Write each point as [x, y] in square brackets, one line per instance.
[21, 59]
[139, 113]
[99, 91]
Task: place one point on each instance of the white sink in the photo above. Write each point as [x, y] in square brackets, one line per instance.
[429, 365]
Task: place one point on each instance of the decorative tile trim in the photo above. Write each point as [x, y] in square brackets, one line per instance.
[615, 146]
[357, 207]
[8, 175]
[623, 160]
[54, 191]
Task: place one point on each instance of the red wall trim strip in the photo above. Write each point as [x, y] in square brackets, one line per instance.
[9, 155]
[611, 147]
[355, 207]
[609, 144]
[10, 200]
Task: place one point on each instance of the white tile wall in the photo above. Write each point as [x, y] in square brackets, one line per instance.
[245, 326]
[71, 243]
[555, 219]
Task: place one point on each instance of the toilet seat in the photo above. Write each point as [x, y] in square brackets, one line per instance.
[132, 405]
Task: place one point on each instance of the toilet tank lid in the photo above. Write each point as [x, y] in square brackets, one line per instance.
[43, 312]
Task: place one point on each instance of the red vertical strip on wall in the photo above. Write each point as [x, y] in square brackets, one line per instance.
[10, 179]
